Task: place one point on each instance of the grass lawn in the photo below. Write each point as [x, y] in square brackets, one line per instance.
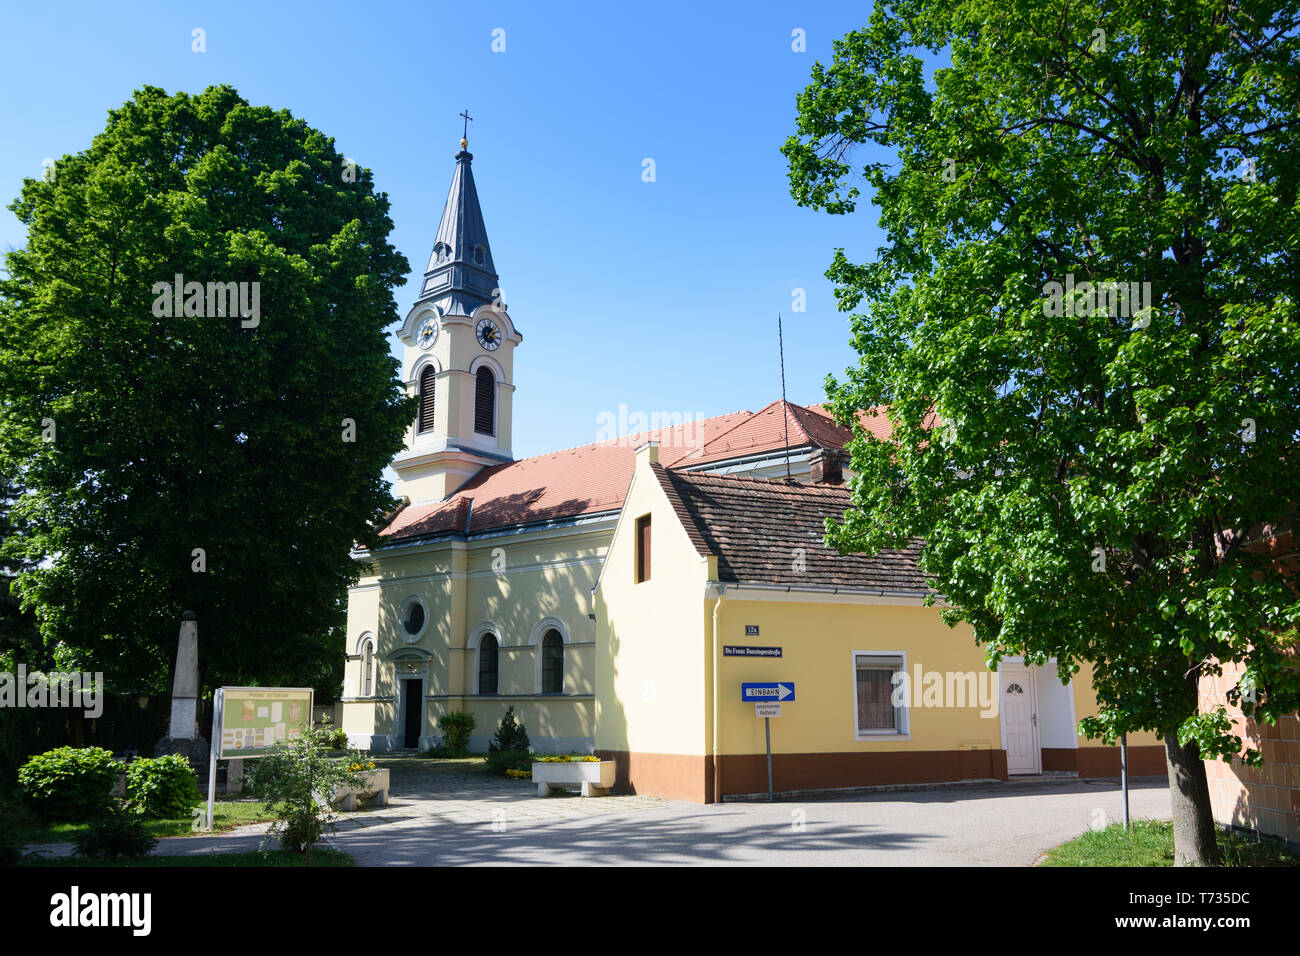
[228, 814]
[1151, 843]
[321, 856]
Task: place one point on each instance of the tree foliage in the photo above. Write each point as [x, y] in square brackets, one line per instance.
[175, 461]
[1067, 144]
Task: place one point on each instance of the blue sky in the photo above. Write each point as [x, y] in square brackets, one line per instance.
[659, 296]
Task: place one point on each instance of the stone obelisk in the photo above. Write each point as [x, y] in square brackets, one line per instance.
[183, 735]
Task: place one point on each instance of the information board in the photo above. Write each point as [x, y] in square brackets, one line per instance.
[252, 720]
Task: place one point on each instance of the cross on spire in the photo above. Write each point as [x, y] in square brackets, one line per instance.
[465, 133]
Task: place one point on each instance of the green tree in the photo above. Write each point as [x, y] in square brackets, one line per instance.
[223, 462]
[19, 637]
[1100, 467]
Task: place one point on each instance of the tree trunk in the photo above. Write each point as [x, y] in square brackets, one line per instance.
[1195, 840]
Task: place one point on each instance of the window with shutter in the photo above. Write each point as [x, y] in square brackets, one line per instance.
[485, 402]
[426, 399]
[879, 711]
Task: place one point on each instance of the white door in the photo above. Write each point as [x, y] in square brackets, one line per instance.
[1020, 719]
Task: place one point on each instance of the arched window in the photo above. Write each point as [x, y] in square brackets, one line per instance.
[485, 402]
[427, 381]
[552, 663]
[487, 665]
[368, 669]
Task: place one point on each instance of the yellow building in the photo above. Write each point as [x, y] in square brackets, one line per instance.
[714, 581]
[596, 590]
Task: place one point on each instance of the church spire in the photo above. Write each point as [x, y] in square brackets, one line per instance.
[460, 276]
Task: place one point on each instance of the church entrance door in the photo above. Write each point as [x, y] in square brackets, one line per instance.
[413, 712]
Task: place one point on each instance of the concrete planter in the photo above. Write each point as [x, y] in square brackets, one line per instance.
[594, 778]
[376, 786]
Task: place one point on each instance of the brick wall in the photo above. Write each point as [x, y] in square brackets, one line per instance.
[1266, 800]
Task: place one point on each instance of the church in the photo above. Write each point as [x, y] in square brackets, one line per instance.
[621, 596]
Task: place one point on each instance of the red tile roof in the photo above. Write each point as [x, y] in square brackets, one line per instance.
[591, 479]
[766, 431]
[564, 484]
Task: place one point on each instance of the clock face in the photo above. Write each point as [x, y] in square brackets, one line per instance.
[489, 336]
[428, 333]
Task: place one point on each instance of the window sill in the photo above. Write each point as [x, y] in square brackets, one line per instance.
[869, 737]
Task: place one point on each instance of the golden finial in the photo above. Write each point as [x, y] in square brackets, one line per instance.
[464, 139]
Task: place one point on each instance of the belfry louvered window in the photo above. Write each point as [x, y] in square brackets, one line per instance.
[485, 402]
[427, 378]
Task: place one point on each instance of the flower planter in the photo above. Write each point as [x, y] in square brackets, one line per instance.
[376, 786]
[594, 778]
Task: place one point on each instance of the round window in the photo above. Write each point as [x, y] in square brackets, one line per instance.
[413, 618]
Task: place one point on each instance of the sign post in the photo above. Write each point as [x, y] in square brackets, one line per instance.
[767, 700]
[259, 719]
[217, 701]
[1123, 774]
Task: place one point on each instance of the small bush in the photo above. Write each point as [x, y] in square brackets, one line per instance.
[297, 779]
[162, 788]
[502, 760]
[69, 783]
[117, 834]
[510, 735]
[456, 728]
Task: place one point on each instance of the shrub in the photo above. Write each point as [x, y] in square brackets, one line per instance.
[162, 787]
[502, 760]
[292, 777]
[510, 735]
[456, 728]
[69, 783]
[117, 834]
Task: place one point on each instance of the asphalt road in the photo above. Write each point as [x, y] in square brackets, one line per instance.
[994, 825]
[482, 822]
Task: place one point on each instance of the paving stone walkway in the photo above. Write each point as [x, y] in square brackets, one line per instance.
[422, 791]
[460, 791]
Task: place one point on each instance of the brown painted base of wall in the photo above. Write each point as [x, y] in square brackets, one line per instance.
[674, 776]
[1148, 761]
[684, 777]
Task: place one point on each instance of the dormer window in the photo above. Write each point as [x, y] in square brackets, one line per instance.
[443, 252]
[478, 255]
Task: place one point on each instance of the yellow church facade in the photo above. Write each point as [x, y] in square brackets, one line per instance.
[619, 595]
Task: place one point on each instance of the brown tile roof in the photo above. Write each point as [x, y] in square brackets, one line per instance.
[766, 430]
[755, 526]
[591, 479]
[564, 484]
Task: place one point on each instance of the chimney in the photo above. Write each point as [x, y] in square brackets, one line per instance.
[827, 466]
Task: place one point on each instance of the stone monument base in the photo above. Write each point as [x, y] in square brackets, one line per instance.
[193, 749]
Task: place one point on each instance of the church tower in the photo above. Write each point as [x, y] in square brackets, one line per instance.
[458, 354]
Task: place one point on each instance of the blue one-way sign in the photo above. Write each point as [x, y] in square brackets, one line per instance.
[773, 691]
